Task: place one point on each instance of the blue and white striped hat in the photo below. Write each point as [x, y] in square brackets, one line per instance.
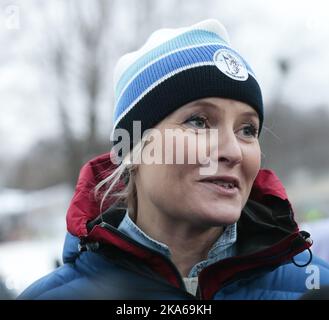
[178, 66]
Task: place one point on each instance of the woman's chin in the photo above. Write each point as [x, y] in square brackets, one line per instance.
[225, 215]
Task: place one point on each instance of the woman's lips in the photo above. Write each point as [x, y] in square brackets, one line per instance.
[220, 189]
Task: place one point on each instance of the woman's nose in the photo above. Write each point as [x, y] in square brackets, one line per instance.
[228, 149]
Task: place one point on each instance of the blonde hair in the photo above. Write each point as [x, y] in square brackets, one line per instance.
[126, 170]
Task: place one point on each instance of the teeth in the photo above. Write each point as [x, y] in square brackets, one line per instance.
[227, 185]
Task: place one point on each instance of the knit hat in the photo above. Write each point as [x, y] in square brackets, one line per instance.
[177, 66]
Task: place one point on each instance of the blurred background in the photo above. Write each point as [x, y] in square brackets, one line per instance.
[56, 100]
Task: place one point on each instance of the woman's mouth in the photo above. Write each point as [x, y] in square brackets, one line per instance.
[227, 186]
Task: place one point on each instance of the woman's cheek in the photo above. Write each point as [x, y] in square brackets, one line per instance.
[252, 164]
[256, 161]
[203, 149]
[196, 148]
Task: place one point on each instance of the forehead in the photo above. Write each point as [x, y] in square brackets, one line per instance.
[219, 106]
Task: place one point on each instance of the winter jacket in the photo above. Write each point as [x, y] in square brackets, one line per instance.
[272, 260]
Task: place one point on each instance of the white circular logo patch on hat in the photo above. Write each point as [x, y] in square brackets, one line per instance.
[231, 64]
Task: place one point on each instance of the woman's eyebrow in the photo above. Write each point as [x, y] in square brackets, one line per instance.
[250, 113]
[207, 104]
[204, 104]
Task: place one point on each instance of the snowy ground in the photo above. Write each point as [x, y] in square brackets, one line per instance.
[23, 262]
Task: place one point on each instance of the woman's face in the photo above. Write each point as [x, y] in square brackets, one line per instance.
[182, 192]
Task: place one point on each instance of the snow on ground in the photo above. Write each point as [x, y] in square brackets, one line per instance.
[23, 262]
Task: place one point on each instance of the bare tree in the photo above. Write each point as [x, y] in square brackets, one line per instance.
[94, 62]
[78, 41]
[94, 34]
[87, 25]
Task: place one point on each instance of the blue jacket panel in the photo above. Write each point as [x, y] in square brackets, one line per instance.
[94, 276]
[287, 282]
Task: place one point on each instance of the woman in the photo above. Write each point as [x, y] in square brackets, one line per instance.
[212, 225]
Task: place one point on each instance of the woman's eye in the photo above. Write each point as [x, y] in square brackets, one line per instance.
[197, 122]
[250, 131]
